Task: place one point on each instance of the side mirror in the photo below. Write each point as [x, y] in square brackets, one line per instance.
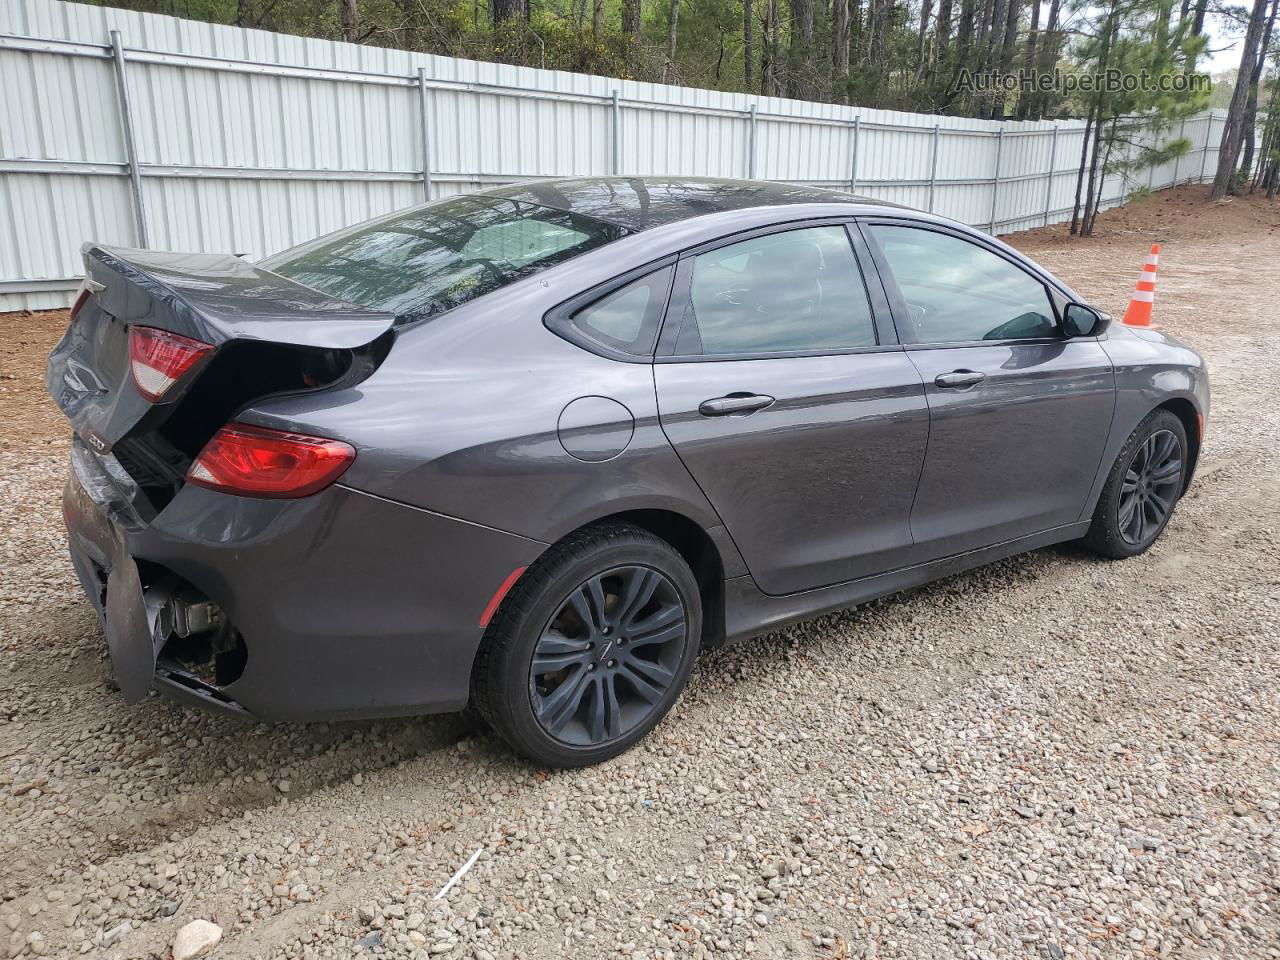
[1079, 320]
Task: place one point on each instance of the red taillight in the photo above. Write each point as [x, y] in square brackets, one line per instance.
[158, 359]
[88, 287]
[258, 462]
[81, 297]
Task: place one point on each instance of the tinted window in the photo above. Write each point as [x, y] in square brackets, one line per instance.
[627, 319]
[956, 291]
[430, 259]
[784, 292]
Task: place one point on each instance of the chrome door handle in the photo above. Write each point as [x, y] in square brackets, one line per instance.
[734, 403]
[959, 379]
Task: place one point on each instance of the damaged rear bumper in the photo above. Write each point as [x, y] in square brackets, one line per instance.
[339, 605]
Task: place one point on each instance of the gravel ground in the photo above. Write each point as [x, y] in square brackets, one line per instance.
[1052, 756]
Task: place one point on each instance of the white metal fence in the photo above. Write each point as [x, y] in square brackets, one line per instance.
[145, 130]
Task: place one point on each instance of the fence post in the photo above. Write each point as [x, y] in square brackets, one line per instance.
[1053, 163]
[1151, 169]
[751, 145]
[130, 145]
[616, 132]
[1204, 151]
[995, 180]
[1177, 161]
[853, 160]
[425, 113]
[933, 168]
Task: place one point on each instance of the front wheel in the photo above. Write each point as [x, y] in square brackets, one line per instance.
[1142, 489]
[591, 648]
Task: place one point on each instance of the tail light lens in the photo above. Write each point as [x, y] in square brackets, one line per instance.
[88, 287]
[257, 462]
[158, 359]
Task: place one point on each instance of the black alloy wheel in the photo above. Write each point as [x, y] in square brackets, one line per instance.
[591, 648]
[1150, 487]
[608, 655]
[1143, 487]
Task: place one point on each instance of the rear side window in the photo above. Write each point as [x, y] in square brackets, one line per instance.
[796, 291]
[623, 322]
[957, 291]
[422, 262]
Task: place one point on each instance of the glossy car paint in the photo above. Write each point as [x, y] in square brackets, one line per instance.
[213, 298]
[484, 437]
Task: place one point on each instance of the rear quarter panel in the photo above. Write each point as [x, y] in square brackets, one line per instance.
[462, 419]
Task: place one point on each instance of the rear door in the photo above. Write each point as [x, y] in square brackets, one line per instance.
[783, 390]
[1019, 414]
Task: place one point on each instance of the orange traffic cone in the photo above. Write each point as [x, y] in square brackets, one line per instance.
[1144, 294]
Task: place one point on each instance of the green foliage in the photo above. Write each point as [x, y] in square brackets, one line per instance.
[892, 63]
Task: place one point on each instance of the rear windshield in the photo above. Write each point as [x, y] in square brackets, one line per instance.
[430, 259]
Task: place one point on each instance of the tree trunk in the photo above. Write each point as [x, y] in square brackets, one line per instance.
[1197, 21]
[1050, 45]
[799, 49]
[1013, 12]
[631, 32]
[669, 68]
[350, 15]
[995, 34]
[942, 30]
[1084, 157]
[1092, 213]
[964, 36]
[597, 18]
[769, 51]
[1026, 100]
[504, 10]
[840, 50]
[1229, 148]
[1089, 158]
[926, 8]
[1250, 119]
[1090, 200]
[748, 45]
[1111, 29]
[1271, 137]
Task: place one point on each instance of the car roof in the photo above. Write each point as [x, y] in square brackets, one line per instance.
[643, 203]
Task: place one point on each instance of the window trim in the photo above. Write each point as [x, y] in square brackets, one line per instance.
[898, 303]
[681, 295]
[559, 319]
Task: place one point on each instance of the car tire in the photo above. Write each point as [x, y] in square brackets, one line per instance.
[1142, 489]
[625, 667]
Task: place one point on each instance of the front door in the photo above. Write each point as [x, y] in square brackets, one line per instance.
[805, 429]
[1019, 414]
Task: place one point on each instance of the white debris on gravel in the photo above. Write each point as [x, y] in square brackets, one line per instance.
[1051, 757]
[196, 939]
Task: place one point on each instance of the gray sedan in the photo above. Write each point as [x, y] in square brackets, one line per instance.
[532, 449]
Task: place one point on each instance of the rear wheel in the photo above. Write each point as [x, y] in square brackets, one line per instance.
[1142, 489]
[591, 648]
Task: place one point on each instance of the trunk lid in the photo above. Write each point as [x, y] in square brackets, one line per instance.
[270, 334]
[213, 298]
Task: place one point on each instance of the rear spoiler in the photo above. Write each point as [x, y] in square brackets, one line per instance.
[217, 297]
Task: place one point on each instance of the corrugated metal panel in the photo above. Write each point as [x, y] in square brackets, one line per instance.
[250, 142]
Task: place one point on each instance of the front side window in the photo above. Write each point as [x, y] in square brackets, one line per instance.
[422, 262]
[796, 291]
[957, 292]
